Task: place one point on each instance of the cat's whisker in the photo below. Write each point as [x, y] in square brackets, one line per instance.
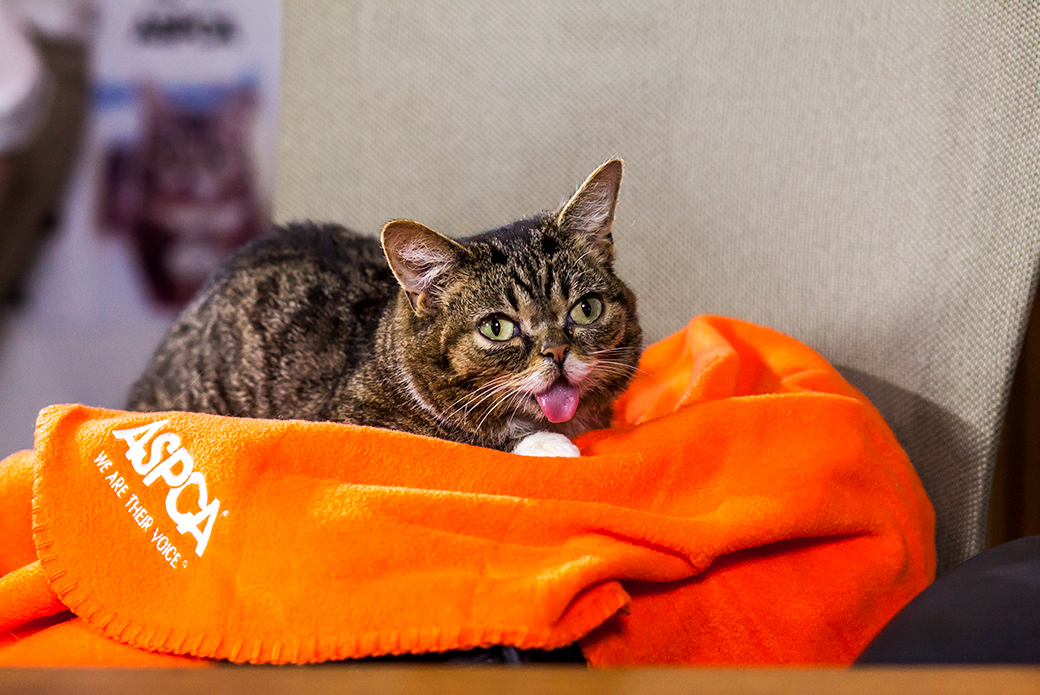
[490, 385]
[631, 368]
[603, 356]
[611, 356]
[465, 402]
[519, 402]
[488, 390]
[607, 364]
[468, 410]
[492, 409]
[513, 392]
[608, 351]
[614, 370]
[506, 383]
[616, 363]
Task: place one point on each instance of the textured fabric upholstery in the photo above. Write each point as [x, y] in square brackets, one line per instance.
[862, 176]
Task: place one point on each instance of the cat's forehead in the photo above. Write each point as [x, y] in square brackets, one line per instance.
[530, 264]
[530, 242]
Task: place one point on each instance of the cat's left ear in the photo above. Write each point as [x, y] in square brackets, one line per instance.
[590, 212]
[422, 260]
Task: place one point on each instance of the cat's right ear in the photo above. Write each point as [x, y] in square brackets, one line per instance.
[422, 260]
[590, 213]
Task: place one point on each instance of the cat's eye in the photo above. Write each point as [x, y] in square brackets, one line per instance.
[586, 310]
[498, 328]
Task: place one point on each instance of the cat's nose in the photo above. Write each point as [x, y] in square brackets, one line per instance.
[557, 352]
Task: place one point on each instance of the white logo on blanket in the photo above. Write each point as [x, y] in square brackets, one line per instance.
[157, 467]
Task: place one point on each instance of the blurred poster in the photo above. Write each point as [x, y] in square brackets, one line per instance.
[185, 123]
[175, 169]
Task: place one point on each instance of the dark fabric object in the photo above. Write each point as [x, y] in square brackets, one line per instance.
[985, 611]
[33, 201]
[499, 654]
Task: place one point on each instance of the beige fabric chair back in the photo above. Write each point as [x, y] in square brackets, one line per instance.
[862, 176]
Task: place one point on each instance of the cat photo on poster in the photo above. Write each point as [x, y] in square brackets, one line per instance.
[184, 193]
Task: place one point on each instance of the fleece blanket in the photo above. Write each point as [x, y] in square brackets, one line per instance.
[748, 506]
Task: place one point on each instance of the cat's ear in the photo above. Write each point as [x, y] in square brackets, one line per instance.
[423, 261]
[590, 213]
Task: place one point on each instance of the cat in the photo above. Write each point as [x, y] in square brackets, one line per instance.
[517, 339]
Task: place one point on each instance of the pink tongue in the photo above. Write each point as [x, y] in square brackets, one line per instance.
[559, 402]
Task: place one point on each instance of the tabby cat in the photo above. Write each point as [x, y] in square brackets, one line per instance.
[515, 339]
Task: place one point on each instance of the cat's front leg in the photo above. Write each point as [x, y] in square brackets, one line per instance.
[546, 444]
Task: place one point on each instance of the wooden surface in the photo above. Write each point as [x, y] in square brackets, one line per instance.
[381, 680]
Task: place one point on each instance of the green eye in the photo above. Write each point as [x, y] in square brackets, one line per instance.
[497, 328]
[587, 310]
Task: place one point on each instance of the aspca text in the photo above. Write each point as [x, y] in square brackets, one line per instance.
[172, 463]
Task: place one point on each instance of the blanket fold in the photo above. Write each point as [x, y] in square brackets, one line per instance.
[748, 506]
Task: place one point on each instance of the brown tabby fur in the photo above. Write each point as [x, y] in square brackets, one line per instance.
[309, 323]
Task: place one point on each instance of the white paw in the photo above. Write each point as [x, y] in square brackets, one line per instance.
[546, 444]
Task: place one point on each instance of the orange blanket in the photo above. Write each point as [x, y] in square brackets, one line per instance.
[747, 507]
